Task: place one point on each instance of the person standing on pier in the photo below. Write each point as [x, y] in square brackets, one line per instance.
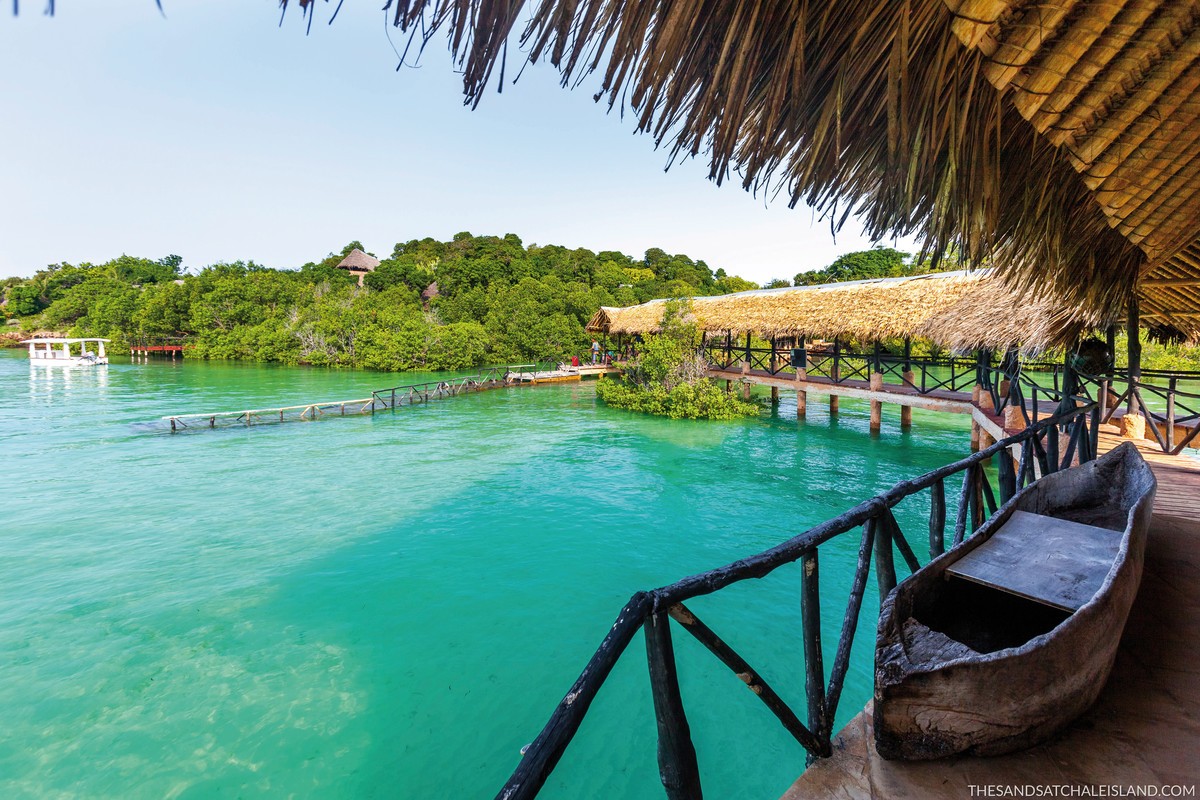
[595, 351]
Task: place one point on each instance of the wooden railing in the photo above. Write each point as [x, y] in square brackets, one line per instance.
[411, 394]
[1173, 428]
[1181, 407]
[380, 400]
[879, 540]
[839, 364]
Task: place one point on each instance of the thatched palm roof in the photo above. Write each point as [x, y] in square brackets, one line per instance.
[959, 310]
[1058, 140]
[358, 260]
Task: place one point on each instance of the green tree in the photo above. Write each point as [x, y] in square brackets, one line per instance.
[879, 262]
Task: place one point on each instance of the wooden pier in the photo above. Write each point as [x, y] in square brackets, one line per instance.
[144, 349]
[391, 398]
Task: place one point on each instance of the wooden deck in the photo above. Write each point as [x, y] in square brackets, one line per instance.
[1178, 476]
[1144, 729]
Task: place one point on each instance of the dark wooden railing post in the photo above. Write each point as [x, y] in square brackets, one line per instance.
[964, 506]
[773, 370]
[1170, 414]
[1133, 329]
[837, 355]
[885, 567]
[814, 664]
[937, 519]
[747, 348]
[1008, 476]
[677, 765]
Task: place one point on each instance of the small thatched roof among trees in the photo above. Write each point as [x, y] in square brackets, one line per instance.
[959, 310]
[358, 261]
[1059, 142]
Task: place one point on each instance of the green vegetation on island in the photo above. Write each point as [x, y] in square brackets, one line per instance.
[496, 300]
[486, 299]
[666, 377]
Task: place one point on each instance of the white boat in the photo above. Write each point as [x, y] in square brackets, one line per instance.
[60, 353]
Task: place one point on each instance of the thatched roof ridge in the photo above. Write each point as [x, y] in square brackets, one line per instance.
[1056, 141]
[960, 310]
[358, 260]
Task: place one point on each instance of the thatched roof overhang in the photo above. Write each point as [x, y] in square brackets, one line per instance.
[358, 261]
[1056, 141]
[958, 310]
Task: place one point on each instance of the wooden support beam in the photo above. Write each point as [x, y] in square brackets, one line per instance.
[677, 765]
[906, 411]
[885, 567]
[937, 519]
[1134, 349]
[754, 682]
[810, 620]
[1163, 282]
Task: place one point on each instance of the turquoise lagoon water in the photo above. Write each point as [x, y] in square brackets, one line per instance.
[391, 606]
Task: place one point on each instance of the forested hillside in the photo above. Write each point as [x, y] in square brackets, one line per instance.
[497, 300]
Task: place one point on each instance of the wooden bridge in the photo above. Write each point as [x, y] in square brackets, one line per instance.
[389, 399]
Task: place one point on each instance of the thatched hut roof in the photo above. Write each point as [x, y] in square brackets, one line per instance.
[358, 261]
[959, 310]
[1057, 140]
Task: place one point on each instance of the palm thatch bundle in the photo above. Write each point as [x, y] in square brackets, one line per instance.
[995, 316]
[1056, 141]
[957, 310]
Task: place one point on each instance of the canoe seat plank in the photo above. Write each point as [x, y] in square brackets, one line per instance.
[1046, 559]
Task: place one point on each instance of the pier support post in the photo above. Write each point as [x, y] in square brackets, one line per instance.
[876, 384]
[774, 395]
[835, 374]
[975, 431]
[745, 390]
[801, 395]
[728, 386]
[906, 411]
[985, 439]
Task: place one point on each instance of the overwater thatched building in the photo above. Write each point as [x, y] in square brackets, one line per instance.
[958, 310]
[1058, 141]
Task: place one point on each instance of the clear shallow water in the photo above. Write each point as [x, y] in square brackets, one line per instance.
[392, 606]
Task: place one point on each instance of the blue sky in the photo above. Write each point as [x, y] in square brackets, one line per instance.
[216, 135]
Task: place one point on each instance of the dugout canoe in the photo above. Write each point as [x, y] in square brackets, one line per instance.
[1000, 642]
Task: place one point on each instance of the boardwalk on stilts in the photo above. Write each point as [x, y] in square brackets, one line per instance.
[391, 398]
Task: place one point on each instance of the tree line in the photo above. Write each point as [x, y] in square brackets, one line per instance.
[487, 299]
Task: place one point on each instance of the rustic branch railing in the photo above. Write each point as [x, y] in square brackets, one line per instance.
[880, 539]
[410, 394]
[1181, 407]
[839, 365]
[380, 400]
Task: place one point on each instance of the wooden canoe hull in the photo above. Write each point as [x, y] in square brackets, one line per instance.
[936, 697]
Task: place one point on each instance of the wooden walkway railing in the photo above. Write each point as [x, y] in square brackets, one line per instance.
[380, 400]
[879, 540]
[1037, 388]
